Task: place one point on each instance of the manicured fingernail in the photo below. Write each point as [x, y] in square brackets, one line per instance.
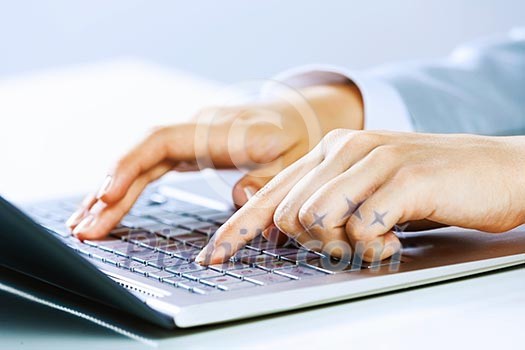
[249, 191]
[97, 208]
[105, 186]
[84, 224]
[76, 217]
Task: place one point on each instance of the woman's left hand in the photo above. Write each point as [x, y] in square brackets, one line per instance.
[350, 192]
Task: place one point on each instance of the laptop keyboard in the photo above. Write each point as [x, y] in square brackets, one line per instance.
[160, 238]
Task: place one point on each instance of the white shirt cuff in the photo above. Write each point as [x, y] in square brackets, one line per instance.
[384, 108]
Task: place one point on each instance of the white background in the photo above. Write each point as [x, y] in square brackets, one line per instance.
[231, 40]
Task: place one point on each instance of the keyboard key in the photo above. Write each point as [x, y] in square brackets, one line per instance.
[300, 255]
[100, 254]
[171, 232]
[132, 264]
[117, 260]
[187, 284]
[262, 245]
[330, 265]
[170, 262]
[221, 280]
[237, 286]
[208, 230]
[120, 231]
[228, 266]
[275, 265]
[144, 270]
[175, 220]
[188, 255]
[268, 278]
[153, 242]
[278, 252]
[258, 259]
[203, 274]
[149, 256]
[156, 227]
[136, 221]
[140, 236]
[199, 244]
[173, 280]
[160, 274]
[300, 272]
[191, 237]
[127, 249]
[157, 199]
[219, 218]
[106, 244]
[185, 268]
[247, 272]
[169, 246]
[196, 225]
[196, 287]
[206, 212]
[204, 289]
[243, 253]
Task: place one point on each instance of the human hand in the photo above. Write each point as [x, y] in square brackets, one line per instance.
[262, 137]
[348, 194]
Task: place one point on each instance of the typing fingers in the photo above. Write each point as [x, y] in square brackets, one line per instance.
[101, 218]
[257, 214]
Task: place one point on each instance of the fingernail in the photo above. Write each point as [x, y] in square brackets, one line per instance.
[105, 186]
[84, 224]
[97, 208]
[204, 254]
[249, 191]
[76, 217]
[200, 257]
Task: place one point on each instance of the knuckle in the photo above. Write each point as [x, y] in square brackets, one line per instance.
[338, 141]
[336, 134]
[355, 230]
[409, 175]
[384, 153]
[306, 217]
[281, 219]
[334, 137]
[362, 138]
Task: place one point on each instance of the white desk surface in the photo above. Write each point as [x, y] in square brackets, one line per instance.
[61, 129]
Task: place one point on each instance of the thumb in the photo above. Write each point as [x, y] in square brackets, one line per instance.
[247, 186]
[243, 190]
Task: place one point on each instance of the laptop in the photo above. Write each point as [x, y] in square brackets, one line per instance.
[145, 267]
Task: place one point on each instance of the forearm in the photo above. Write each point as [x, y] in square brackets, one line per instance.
[478, 89]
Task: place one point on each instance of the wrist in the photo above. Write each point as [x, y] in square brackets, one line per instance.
[336, 106]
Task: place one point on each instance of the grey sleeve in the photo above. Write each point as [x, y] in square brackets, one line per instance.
[479, 88]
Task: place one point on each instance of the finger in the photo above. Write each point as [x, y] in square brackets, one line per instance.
[173, 143]
[247, 186]
[211, 145]
[272, 234]
[399, 200]
[257, 214]
[274, 163]
[377, 249]
[291, 216]
[82, 211]
[326, 212]
[102, 218]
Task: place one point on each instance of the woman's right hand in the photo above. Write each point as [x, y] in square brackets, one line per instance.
[262, 138]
